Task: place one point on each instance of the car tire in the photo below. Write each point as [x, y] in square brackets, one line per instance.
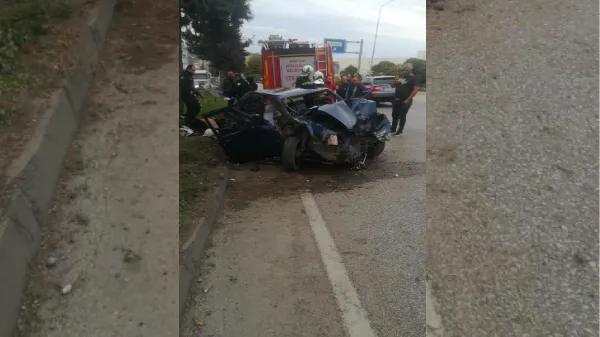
[289, 155]
[376, 150]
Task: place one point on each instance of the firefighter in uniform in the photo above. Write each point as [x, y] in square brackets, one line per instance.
[304, 81]
[319, 81]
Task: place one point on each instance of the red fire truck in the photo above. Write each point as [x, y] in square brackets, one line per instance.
[282, 61]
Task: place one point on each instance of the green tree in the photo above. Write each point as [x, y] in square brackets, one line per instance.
[254, 65]
[384, 68]
[349, 70]
[419, 69]
[212, 31]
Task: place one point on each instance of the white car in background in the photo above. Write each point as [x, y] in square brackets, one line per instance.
[202, 79]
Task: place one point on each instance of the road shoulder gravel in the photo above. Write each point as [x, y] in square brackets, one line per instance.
[512, 167]
[108, 260]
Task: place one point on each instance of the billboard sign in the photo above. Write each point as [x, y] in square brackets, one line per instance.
[338, 46]
[291, 68]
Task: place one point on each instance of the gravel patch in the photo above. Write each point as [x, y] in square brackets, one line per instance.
[513, 167]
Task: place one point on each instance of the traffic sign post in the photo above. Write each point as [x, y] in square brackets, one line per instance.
[338, 46]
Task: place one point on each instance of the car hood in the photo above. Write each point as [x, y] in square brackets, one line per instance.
[341, 112]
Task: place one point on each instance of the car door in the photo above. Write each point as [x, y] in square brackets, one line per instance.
[246, 137]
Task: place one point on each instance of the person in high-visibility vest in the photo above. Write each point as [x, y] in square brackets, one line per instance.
[304, 81]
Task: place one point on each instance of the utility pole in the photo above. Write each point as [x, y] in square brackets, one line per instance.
[360, 52]
[376, 32]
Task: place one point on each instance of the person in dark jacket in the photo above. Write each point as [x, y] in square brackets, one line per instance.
[251, 83]
[356, 89]
[229, 88]
[189, 95]
[241, 86]
[343, 87]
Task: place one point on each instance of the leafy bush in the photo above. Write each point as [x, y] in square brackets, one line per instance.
[22, 22]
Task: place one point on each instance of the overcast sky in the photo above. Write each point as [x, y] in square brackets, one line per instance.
[402, 29]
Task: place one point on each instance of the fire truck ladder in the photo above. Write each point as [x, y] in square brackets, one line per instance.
[321, 58]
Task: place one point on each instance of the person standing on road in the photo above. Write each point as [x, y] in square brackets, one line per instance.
[304, 80]
[329, 83]
[229, 87]
[356, 89]
[407, 86]
[331, 86]
[253, 86]
[241, 86]
[189, 95]
[318, 82]
[343, 87]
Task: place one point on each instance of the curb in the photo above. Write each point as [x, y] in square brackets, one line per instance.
[35, 185]
[192, 249]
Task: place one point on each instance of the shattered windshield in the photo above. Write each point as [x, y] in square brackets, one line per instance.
[303, 103]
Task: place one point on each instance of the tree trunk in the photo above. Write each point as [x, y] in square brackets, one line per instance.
[179, 73]
[180, 55]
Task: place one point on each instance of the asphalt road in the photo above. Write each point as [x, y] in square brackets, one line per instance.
[272, 268]
[512, 168]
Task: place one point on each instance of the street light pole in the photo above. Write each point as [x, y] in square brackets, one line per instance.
[376, 32]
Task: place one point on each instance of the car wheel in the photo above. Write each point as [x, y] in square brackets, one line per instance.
[290, 154]
[376, 150]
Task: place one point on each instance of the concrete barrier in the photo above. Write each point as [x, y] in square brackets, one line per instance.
[193, 249]
[35, 185]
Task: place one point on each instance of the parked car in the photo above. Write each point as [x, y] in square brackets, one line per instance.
[380, 87]
[201, 78]
[300, 124]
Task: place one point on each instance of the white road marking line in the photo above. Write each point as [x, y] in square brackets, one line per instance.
[433, 320]
[354, 316]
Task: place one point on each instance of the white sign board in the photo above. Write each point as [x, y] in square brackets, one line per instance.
[291, 68]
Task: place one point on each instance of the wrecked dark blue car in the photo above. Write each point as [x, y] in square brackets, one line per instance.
[300, 124]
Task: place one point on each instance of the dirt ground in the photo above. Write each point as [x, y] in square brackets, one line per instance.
[43, 67]
[201, 170]
[268, 180]
[112, 241]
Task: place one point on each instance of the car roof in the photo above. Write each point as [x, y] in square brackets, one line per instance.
[378, 77]
[290, 92]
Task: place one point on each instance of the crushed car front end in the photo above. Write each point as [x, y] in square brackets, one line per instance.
[343, 132]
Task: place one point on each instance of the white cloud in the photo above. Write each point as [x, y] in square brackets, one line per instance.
[402, 31]
[402, 17]
[262, 32]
